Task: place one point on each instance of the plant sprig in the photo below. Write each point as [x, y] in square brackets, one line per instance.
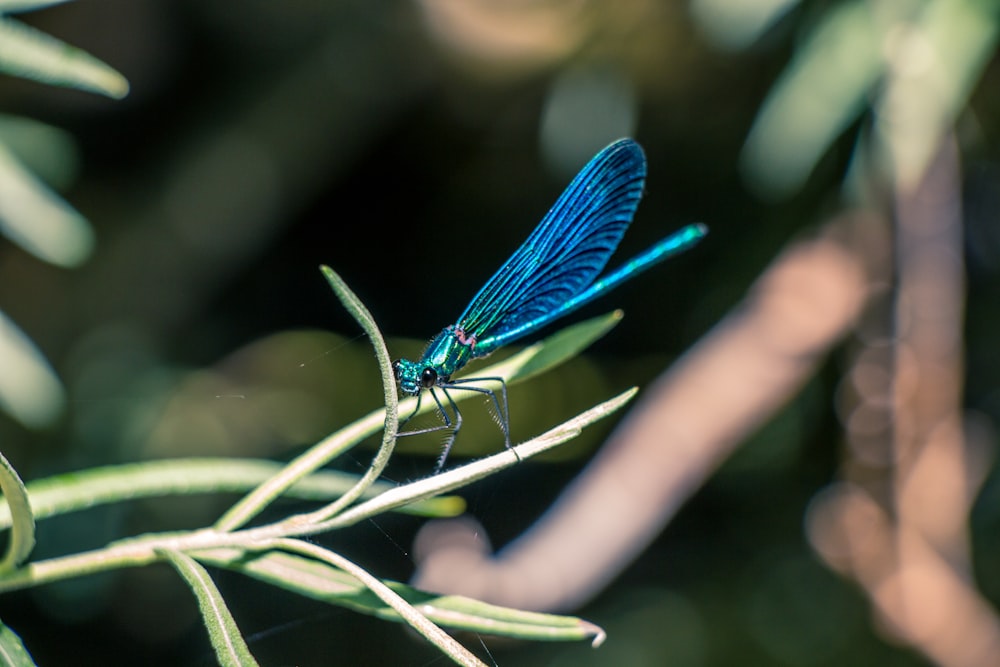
[273, 551]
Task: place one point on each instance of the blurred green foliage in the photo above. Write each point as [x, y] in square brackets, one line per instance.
[31, 214]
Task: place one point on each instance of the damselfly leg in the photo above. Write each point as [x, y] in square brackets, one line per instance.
[500, 408]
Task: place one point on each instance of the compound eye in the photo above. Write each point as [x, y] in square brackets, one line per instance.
[396, 368]
[429, 377]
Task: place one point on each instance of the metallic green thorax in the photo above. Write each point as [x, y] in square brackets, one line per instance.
[449, 351]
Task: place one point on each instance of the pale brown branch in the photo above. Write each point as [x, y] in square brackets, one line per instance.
[745, 369]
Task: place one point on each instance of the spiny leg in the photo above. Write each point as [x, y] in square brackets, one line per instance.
[443, 456]
[440, 427]
[500, 406]
[503, 413]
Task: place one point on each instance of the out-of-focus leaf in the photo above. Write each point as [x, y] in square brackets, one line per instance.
[820, 93]
[936, 60]
[38, 220]
[47, 151]
[586, 108]
[33, 54]
[12, 650]
[964, 35]
[29, 389]
[22, 532]
[735, 24]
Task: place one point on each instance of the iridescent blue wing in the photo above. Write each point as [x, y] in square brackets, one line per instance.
[677, 242]
[564, 254]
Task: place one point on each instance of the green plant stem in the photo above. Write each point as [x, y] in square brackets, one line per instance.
[322, 453]
[361, 314]
[475, 470]
[75, 491]
[143, 550]
[22, 537]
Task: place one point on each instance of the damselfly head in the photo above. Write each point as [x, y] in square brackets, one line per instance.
[413, 377]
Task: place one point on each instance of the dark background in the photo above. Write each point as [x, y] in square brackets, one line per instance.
[262, 139]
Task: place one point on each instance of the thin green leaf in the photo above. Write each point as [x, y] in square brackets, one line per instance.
[566, 344]
[407, 612]
[321, 581]
[72, 492]
[37, 219]
[33, 54]
[230, 647]
[358, 311]
[329, 448]
[12, 650]
[22, 533]
[29, 390]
